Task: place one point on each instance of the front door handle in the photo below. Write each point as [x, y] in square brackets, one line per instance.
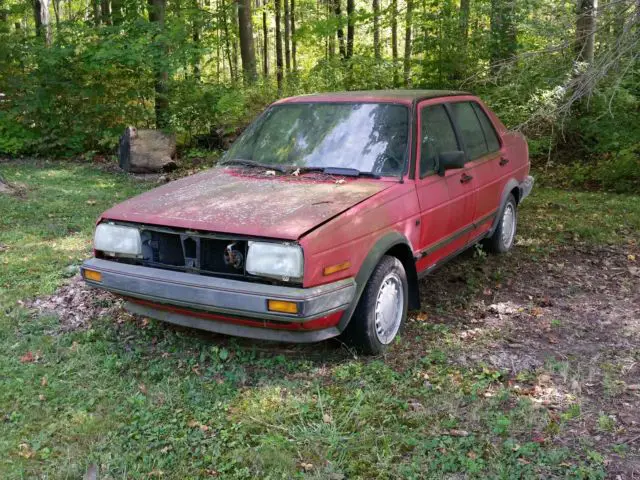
[465, 178]
[503, 161]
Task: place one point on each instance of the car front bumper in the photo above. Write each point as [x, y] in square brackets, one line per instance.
[221, 305]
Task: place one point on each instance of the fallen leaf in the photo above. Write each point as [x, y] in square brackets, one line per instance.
[341, 181]
[41, 397]
[270, 173]
[91, 202]
[25, 450]
[307, 467]
[296, 172]
[633, 388]
[143, 389]
[458, 433]
[27, 358]
[632, 258]
[326, 418]
[472, 455]
[204, 428]
[44, 382]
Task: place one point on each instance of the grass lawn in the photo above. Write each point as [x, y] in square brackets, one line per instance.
[141, 399]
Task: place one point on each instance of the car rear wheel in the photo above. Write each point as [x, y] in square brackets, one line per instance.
[504, 235]
[382, 309]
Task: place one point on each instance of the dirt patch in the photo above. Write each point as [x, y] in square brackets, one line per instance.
[564, 327]
[76, 305]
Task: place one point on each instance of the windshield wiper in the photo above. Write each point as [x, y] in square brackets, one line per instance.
[252, 163]
[348, 172]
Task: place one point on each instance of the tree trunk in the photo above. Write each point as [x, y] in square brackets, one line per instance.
[350, 27]
[227, 41]
[287, 25]
[247, 51]
[197, 27]
[294, 60]
[42, 21]
[407, 44]
[503, 32]
[234, 38]
[105, 12]
[376, 29]
[460, 66]
[265, 45]
[278, 47]
[157, 10]
[337, 8]
[117, 14]
[95, 5]
[585, 30]
[394, 41]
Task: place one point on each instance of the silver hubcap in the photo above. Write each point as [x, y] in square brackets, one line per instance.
[389, 306]
[508, 225]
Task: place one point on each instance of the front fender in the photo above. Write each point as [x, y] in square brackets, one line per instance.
[381, 247]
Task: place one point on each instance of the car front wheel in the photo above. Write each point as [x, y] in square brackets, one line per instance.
[382, 309]
[504, 235]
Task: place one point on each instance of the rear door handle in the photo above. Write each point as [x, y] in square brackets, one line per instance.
[503, 161]
[465, 178]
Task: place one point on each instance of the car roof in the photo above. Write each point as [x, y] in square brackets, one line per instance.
[393, 96]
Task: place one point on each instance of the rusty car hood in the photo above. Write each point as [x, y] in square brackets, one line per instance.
[227, 201]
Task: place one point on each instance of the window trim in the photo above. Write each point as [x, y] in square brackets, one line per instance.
[476, 106]
[455, 121]
[445, 106]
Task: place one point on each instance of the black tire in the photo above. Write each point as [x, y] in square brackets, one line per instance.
[497, 243]
[361, 331]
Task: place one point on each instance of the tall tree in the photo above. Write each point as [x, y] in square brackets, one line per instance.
[376, 29]
[157, 11]
[117, 13]
[350, 26]
[394, 40]
[503, 32]
[197, 28]
[407, 44]
[586, 30]
[265, 42]
[459, 67]
[293, 36]
[287, 35]
[337, 10]
[42, 20]
[105, 12]
[279, 76]
[247, 50]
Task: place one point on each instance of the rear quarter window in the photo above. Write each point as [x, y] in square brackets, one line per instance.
[493, 144]
[473, 137]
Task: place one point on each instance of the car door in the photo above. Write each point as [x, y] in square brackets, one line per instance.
[447, 202]
[486, 162]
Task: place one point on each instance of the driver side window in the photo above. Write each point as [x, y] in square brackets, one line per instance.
[436, 136]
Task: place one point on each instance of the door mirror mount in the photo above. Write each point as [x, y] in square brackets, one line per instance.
[450, 160]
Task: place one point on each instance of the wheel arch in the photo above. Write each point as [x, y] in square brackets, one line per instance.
[512, 187]
[394, 244]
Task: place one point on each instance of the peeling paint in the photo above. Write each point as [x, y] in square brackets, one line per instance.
[222, 200]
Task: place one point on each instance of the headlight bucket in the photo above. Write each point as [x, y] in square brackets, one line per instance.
[117, 240]
[275, 260]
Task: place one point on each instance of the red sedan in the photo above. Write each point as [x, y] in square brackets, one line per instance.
[321, 218]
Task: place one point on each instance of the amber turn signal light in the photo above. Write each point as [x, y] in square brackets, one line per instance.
[336, 268]
[92, 275]
[282, 306]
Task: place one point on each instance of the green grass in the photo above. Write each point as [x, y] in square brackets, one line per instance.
[143, 401]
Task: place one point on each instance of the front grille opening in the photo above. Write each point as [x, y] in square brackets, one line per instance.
[162, 248]
[223, 256]
[190, 248]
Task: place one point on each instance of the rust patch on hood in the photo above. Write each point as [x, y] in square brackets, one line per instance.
[221, 200]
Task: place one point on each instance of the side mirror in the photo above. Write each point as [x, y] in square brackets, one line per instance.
[450, 160]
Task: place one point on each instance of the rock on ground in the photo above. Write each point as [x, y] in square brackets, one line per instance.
[147, 151]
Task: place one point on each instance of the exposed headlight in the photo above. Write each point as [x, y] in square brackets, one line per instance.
[117, 240]
[275, 260]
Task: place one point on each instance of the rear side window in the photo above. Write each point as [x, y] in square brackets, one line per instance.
[470, 129]
[437, 136]
[487, 127]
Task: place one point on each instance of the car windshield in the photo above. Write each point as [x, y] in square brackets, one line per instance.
[368, 137]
